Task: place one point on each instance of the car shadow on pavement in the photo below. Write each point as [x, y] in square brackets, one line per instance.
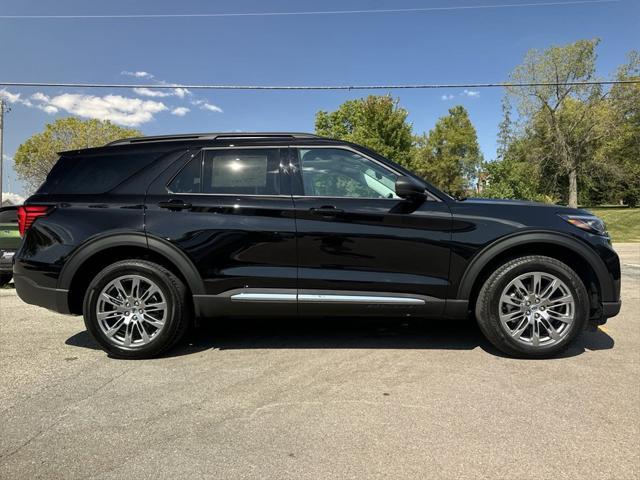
[345, 333]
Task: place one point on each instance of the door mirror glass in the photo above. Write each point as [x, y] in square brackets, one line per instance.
[407, 187]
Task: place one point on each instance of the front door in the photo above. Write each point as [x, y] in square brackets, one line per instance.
[361, 249]
[230, 211]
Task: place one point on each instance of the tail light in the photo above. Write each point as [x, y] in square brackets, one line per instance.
[27, 214]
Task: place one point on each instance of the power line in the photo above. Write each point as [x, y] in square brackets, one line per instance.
[320, 12]
[316, 87]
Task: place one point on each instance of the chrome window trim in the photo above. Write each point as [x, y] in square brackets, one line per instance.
[431, 196]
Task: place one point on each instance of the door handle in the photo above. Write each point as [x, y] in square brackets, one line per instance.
[175, 205]
[327, 211]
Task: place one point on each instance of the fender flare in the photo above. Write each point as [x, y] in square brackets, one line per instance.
[482, 258]
[120, 239]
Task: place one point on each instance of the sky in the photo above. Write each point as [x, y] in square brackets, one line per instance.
[438, 46]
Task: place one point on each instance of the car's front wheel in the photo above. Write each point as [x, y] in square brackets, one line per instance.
[136, 309]
[532, 306]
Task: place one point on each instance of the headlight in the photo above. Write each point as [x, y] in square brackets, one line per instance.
[588, 223]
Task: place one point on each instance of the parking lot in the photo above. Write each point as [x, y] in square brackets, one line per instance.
[338, 399]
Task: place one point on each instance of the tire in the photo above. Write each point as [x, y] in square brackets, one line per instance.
[163, 328]
[502, 291]
[5, 278]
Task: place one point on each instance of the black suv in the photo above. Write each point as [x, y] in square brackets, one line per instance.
[145, 235]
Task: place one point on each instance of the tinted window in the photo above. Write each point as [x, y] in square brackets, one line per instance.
[333, 172]
[94, 173]
[9, 216]
[188, 180]
[230, 171]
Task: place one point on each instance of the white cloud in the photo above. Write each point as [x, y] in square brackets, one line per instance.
[211, 107]
[181, 92]
[130, 112]
[180, 111]
[50, 109]
[204, 105]
[471, 93]
[150, 92]
[10, 97]
[138, 74]
[39, 97]
[447, 97]
[127, 111]
[7, 158]
[147, 92]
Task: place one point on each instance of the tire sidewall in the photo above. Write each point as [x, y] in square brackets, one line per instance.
[562, 272]
[169, 291]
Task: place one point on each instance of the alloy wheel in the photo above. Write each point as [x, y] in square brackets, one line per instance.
[131, 311]
[537, 309]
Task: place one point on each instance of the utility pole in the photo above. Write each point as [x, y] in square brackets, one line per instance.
[1, 156]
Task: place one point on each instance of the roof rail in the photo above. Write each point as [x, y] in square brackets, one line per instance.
[211, 136]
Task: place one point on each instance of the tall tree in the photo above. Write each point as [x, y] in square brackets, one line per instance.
[35, 157]
[449, 156]
[566, 115]
[377, 122]
[621, 149]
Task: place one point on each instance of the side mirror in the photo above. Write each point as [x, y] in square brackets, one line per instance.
[407, 187]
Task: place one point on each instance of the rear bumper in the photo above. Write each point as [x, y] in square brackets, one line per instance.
[30, 292]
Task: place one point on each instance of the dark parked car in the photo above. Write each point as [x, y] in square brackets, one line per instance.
[144, 235]
[9, 242]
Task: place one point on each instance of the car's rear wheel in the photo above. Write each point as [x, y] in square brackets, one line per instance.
[532, 306]
[136, 309]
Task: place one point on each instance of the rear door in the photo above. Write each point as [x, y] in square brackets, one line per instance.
[230, 210]
[361, 249]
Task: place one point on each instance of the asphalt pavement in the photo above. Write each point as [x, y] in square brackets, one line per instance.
[340, 399]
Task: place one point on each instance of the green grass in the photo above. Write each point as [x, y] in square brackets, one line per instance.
[623, 223]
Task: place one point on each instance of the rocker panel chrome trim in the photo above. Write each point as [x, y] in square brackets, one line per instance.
[261, 296]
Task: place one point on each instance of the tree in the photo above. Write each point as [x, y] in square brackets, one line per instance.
[511, 177]
[35, 157]
[376, 122]
[449, 156]
[621, 149]
[566, 116]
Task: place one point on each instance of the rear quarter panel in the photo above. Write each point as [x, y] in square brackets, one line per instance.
[52, 239]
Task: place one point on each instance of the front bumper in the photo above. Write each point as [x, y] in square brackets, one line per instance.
[30, 292]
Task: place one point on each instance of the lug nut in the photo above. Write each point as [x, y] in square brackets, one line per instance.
[126, 313]
[135, 317]
[537, 316]
[541, 308]
[528, 312]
